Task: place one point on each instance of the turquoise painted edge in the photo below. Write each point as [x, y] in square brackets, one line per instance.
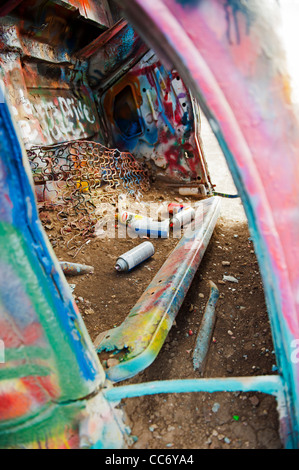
[270, 384]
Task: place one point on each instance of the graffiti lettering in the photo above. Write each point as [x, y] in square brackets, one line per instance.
[60, 118]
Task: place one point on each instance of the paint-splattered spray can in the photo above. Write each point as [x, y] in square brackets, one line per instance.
[145, 226]
[137, 255]
[183, 217]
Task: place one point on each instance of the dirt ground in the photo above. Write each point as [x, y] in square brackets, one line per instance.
[241, 344]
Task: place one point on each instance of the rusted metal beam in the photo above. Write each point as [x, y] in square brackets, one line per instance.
[101, 40]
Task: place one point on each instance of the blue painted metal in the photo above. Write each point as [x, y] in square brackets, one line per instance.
[51, 381]
[270, 384]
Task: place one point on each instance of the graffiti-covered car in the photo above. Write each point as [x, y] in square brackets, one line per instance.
[96, 99]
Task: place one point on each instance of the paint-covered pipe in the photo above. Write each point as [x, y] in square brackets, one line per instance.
[206, 329]
[270, 384]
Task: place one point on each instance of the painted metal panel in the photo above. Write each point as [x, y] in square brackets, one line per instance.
[51, 378]
[51, 103]
[64, 116]
[166, 120]
[14, 82]
[116, 49]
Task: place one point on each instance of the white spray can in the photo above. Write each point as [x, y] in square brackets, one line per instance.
[183, 217]
[193, 191]
[127, 218]
[151, 228]
[132, 258]
[145, 226]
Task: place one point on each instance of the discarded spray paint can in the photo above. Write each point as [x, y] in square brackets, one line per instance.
[183, 217]
[145, 226]
[127, 218]
[193, 191]
[134, 257]
[175, 207]
[151, 228]
[167, 209]
[75, 269]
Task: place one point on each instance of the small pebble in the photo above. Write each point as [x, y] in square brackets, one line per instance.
[254, 400]
[215, 407]
[153, 427]
[230, 279]
[89, 311]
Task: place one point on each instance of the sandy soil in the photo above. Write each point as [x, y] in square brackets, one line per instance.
[241, 344]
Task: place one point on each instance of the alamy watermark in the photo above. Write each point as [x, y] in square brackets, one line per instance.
[151, 220]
